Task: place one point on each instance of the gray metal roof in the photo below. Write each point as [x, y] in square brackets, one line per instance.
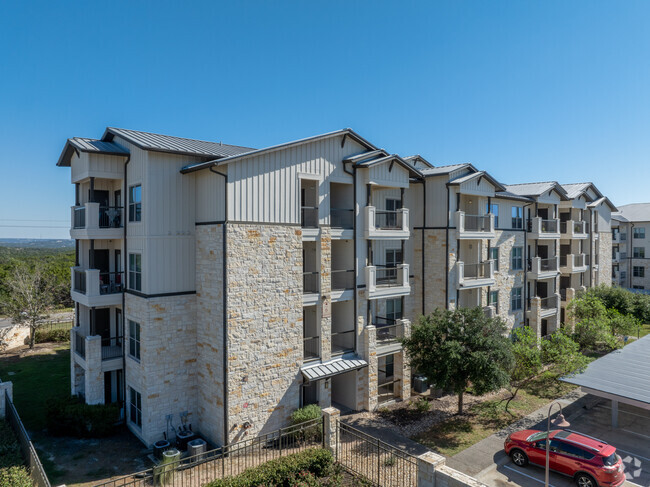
[175, 145]
[619, 218]
[574, 190]
[600, 201]
[436, 171]
[391, 158]
[636, 212]
[417, 158]
[481, 174]
[332, 367]
[536, 189]
[88, 145]
[624, 373]
[511, 196]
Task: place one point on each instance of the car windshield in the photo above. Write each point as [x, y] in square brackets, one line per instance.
[610, 460]
[537, 436]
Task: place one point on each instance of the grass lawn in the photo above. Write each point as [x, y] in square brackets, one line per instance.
[645, 329]
[486, 418]
[36, 380]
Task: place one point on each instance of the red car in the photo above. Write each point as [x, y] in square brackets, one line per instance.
[590, 461]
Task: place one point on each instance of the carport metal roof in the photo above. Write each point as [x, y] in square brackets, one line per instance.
[622, 375]
[332, 367]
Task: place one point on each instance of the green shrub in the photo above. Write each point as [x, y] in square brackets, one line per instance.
[621, 324]
[15, 477]
[43, 336]
[71, 417]
[422, 405]
[283, 472]
[307, 413]
[594, 334]
[10, 455]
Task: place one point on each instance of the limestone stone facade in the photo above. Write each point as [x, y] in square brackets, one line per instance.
[507, 278]
[604, 243]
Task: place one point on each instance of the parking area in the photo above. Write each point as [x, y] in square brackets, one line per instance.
[631, 438]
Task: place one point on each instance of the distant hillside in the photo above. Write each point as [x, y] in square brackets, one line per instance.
[37, 243]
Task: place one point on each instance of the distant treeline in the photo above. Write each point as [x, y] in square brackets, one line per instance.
[54, 262]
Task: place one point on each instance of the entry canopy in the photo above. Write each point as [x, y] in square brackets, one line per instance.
[332, 367]
[622, 375]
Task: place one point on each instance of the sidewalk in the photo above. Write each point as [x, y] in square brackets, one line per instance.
[488, 452]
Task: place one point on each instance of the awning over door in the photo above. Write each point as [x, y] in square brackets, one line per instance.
[331, 368]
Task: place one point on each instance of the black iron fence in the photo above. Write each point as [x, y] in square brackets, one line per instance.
[477, 271]
[112, 347]
[198, 470]
[309, 216]
[388, 330]
[311, 347]
[341, 218]
[80, 344]
[110, 216]
[378, 462]
[27, 449]
[111, 282]
[342, 279]
[388, 275]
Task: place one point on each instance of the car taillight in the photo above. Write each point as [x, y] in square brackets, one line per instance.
[610, 468]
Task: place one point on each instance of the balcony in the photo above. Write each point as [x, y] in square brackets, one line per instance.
[386, 224]
[387, 282]
[92, 221]
[343, 284]
[616, 256]
[616, 238]
[570, 264]
[342, 223]
[548, 306]
[574, 229]
[475, 275]
[310, 287]
[543, 229]
[474, 226]
[98, 353]
[539, 268]
[309, 222]
[93, 288]
[342, 341]
[311, 348]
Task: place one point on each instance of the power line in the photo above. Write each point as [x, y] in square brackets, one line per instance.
[32, 226]
[27, 220]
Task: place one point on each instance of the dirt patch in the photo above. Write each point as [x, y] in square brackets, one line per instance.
[15, 354]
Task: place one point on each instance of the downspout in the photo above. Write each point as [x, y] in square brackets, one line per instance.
[125, 219]
[224, 306]
[354, 247]
[447, 253]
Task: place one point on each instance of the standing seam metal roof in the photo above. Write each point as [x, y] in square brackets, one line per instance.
[435, 171]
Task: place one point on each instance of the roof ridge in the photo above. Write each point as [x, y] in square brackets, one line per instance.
[175, 137]
[534, 182]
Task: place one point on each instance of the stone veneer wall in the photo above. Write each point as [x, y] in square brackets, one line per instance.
[209, 331]
[265, 346]
[604, 243]
[435, 274]
[505, 278]
[165, 376]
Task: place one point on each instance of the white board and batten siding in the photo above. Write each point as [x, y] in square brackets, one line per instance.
[266, 188]
[87, 165]
[549, 199]
[388, 174]
[477, 187]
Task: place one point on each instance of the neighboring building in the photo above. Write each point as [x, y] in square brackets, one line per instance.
[631, 246]
[224, 286]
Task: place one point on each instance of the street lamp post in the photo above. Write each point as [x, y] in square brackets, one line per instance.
[558, 422]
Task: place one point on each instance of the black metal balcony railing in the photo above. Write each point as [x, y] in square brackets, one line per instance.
[309, 216]
[563, 260]
[563, 294]
[477, 271]
[388, 219]
[110, 216]
[342, 279]
[386, 391]
[341, 218]
[387, 275]
[343, 341]
[310, 282]
[80, 344]
[477, 223]
[80, 281]
[111, 348]
[80, 217]
[388, 330]
[563, 227]
[111, 282]
[311, 347]
[549, 226]
[549, 303]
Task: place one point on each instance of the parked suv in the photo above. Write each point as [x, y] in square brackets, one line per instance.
[590, 461]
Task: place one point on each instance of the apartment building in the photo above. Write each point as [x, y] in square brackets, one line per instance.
[224, 286]
[629, 263]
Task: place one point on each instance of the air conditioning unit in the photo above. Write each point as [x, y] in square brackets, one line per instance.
[420, 384]
[196, 447]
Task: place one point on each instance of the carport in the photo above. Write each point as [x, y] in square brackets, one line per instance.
[623, 376]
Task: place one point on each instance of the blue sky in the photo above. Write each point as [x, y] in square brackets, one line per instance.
[529, 91]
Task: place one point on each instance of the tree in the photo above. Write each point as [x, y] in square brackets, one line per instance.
[558, 355]
[30, 298]
[456, 349]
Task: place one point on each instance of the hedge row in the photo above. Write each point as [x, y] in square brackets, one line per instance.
[313, 464]
[72, 417]
[12, 471]
[43, 336]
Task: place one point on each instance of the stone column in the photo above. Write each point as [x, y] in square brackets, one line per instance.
[94, 377]
[427, 463]
[403, 368]
[367, 377]
[325, 305]
[5, 388]
[535, 318]
[331, 423]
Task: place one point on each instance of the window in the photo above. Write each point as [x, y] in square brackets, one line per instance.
[639, 252]
[494, 255]
[392, 205]
[135, 272]
[515, 299]
[638, 287]
[393, 259]
[134, 339]
[135, 203]
[517, 260]
[623, 274]
[623, 237]
[517, 217]
[638, 271]
[394, 309]
[493, 300]
[135, 407]
[639, 232]
[494, 209]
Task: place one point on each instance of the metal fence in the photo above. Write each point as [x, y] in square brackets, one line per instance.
[34, 465]
[198, 470]
[477, 223]
[378, 462]
[342, 218]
